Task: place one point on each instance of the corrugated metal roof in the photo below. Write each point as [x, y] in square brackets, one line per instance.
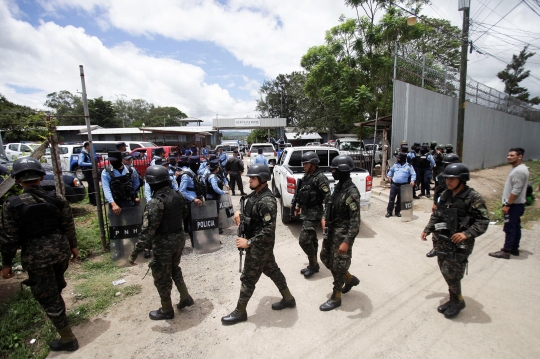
[113, 131]
[303, 136]
[75, 128]
[180, 129]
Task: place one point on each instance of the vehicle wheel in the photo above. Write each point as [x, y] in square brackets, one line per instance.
[274, 189]
[285, 213]
[79, 174]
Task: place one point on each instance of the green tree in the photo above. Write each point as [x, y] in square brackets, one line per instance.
[160, 116]
[130, 112]
[64, 104]
[19, 123]
[102, 113]
[260, 135]
[514, 73]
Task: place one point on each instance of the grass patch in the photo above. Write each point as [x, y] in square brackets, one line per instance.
[95, 292]
[88, 235]
[22, 319]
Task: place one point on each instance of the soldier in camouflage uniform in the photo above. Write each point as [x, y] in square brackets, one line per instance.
[42, 225]
[313, 192]
[341, 225]
[260, 232]
[162, 231]
[454, 243]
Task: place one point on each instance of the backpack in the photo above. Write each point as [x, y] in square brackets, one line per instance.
[200, 187]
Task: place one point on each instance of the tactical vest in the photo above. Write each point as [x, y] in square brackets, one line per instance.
[37, 219]
[254, 221]
[458, 202]
[121, 186]
[209, 189]
[423, 162]
[337, 197]
[309, 194]
[173, 203]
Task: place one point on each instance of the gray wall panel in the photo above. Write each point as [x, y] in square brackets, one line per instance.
[421, 115]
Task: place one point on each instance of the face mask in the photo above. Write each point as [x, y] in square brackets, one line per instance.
[116, 164]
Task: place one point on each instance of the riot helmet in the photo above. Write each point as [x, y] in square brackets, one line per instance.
[424, 150]
[342, 163]
[156, 174]
[457, 170]
[259, 170]
[27, 169]
[115, 159]
[310, 157]
[450, 158]
[213, 165]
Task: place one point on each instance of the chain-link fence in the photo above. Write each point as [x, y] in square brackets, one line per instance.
[426, 74]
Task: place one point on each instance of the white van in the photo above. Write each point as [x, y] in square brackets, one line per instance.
[103, 147]
[14, 151]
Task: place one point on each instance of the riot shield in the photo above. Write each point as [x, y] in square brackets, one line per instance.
[406, 203]
[204, 223]
[226, 212]
[123, 233]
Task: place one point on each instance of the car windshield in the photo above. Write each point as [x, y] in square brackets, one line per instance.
[147, 144]
[350, 146]
[34, 146]
[264, 149]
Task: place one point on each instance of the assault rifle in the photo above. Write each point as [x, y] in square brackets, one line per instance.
[241, 229]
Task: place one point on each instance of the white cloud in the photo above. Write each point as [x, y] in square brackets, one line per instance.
[48, 58]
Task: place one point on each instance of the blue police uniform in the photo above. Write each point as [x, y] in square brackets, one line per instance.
[85, 163]
[106, 182]
[400, 174]
[261, 160]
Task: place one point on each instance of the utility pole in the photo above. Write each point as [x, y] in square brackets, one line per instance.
[464, 5]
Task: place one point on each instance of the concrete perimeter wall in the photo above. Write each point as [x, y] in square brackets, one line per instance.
[420, 115]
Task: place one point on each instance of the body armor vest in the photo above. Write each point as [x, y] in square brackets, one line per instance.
[458, 202]
[309, 194]
[254, 221]
[121, 186]
[423, 162]
[37, 219]
[337, 197]
[173, 203]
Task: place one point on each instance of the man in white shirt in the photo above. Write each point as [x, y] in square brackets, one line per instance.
[513, 200]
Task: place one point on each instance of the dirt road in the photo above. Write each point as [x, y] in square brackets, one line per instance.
[391, 314]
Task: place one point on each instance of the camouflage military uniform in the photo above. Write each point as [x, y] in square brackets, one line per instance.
[343, 220]
[260, 212]
[44, 257]
[478, 221]
[167, 247]
[311, 215]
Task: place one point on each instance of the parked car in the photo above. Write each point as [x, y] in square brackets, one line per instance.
[14, 151]
[268, 151]
[75, 190]
[289, 169]
[104, 147]
[69, 158]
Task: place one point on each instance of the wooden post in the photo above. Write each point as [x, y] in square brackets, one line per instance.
[55, 158]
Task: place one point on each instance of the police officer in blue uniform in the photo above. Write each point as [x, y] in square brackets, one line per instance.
[85, 163]
[401, 173]
[120, 184]
[187, 188]
[425, 164]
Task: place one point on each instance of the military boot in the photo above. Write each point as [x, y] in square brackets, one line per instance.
[66, 342]
[442, 308]
[332, 303]
[188, 302]
[431, 253]
[287, 301]
[350, 281]
[312, 268]
[454, 308]
[238, 315]
[165, 312]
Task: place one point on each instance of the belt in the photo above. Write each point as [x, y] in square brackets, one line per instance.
[400, 184]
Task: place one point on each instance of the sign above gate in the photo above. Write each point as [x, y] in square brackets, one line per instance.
[247, 122]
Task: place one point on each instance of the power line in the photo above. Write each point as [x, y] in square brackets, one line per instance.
[530, 7]
[498, 21]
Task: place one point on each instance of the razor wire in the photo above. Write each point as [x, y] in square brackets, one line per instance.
[445, 80]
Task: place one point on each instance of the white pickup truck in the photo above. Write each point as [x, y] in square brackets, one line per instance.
[289, 169]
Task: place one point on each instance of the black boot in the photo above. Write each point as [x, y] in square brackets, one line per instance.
[311, 270]
[236, 316]
[431, 253]
[243, 193]
[286, 302]
[454, 308]
[348, 286]
[332, 303]
[442, 308]
[165, 312]
[67, 341]
[188, 302]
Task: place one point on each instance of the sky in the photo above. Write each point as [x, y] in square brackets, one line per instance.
[209, 58]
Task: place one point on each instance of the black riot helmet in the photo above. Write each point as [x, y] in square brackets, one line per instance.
[342, 163]
[27, 169]
[259, 170]
[450, 158]
[457, 170]
[156, 174]
[310, 157]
